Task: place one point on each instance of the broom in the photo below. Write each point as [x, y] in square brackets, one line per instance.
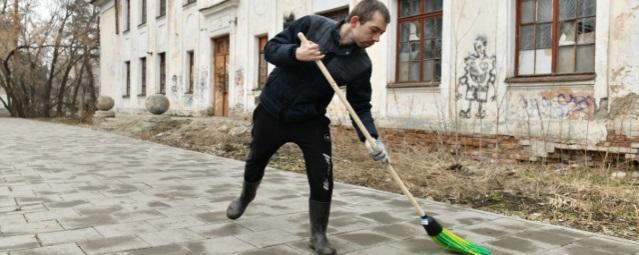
[442, 236]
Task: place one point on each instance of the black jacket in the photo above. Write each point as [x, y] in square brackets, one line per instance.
[297, 91]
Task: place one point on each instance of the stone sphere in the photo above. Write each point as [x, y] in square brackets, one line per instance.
[157, 104]
[104, 103]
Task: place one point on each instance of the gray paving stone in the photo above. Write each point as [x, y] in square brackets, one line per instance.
[31, 227]
[223, 245]
[220, 230]
[274, 250]
[129, 228]
[87, 221]
[51, 215]
[62, 249]
[175, 222]
[137, 215]
[381, 250]
[172, 249]
[10, 243]
[364, 238]
[170, 236]
[12, 219]
[112, 244]
[75, 235]
[267, 238]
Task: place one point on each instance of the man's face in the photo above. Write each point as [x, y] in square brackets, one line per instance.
[367, 34]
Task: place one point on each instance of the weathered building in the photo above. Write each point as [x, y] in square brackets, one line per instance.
[536, 76]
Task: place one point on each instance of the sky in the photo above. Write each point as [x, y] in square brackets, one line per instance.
[44, 8]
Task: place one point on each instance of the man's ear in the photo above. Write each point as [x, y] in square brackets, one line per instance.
[354, 21]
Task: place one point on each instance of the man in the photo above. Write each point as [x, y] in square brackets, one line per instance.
[295, 98]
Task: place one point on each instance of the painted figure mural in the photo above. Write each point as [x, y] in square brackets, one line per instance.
[477, 85]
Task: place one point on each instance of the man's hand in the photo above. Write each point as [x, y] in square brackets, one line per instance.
[379, 153]
[308, 51]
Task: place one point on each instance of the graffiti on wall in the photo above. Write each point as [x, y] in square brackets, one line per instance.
[477, 85]
[558, 106]
[201, 88]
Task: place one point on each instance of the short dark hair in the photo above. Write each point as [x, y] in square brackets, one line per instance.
[367, 8]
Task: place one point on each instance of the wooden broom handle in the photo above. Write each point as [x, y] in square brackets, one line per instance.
[363, 129]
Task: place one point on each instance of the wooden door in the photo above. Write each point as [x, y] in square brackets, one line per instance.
[221, 76]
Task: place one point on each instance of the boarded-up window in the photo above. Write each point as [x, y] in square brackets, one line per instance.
[419, 41]
[555, 37]
[262, 67]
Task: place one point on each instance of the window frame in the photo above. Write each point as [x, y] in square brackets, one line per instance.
[555, 26]
[127, 81]
[143, 12]
[143, 77]
[336, 12]
[162, 9]
[127, 16]
[420, 17]
[190, 62]
[188, 2]
[261, 83]
[162, 73]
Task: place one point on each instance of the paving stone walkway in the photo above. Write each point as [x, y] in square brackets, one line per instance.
[69, 190]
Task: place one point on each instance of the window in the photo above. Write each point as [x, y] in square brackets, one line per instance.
[555, 37]
[262, 68]
[162, 5]
[337, 14]
[143, 12]
[419, 42]
[142, 77]
[162, 73]
[127, 15]
[190, 75]
[127, 72]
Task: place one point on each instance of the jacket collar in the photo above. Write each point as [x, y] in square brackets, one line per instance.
[343, 50]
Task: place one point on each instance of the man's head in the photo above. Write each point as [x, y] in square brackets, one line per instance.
[368, 21]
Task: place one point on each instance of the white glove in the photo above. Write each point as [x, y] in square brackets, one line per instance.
[379, 154]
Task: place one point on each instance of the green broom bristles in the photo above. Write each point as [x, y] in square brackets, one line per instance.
[448, 240]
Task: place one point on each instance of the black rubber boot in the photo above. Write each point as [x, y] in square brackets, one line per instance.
[237, 206]
[318, 214]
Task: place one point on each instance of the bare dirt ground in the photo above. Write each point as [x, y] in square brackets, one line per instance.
[586, 198]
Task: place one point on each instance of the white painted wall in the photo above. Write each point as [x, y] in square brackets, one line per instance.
[549, 109]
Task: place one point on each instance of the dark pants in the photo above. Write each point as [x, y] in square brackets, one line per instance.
[312, 136]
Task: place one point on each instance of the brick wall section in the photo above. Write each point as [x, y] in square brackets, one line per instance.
[507, 148]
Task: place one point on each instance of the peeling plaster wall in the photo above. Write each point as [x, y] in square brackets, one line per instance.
[624, 48]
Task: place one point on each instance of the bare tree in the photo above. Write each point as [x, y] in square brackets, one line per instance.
[43, 64]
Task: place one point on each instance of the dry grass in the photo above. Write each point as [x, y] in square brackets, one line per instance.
[580, 197]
